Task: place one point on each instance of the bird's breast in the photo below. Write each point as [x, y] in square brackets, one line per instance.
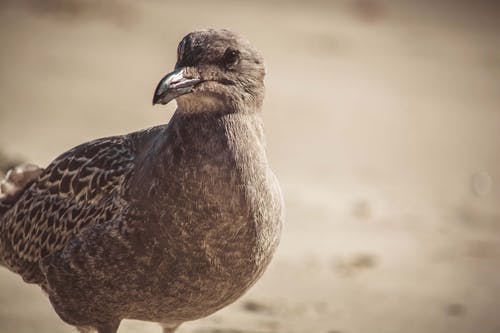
[217, 234]
[216, 210]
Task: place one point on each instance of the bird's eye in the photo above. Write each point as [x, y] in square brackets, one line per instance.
[231, 57]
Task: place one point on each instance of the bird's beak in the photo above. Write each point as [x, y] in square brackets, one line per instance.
[173, 85]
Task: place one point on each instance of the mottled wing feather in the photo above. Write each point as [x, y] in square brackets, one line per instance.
[82, 187]
[16, 181]
[94, 260]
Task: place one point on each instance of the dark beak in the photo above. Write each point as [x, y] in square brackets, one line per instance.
[174, 85]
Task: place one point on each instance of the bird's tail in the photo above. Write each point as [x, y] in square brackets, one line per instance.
[16, 181]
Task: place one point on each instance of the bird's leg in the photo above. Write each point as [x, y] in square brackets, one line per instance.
[110, 327]
[168, 328]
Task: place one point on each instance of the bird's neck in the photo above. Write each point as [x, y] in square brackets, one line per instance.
[201, 129]
[204, 144]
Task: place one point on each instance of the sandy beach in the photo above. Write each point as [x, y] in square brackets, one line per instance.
[383, 127]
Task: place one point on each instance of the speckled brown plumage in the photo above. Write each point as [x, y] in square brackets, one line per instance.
[167, 224]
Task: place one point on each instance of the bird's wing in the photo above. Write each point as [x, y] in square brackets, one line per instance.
[101, 270]
[78, 278]
[16, 181]
[84, 186]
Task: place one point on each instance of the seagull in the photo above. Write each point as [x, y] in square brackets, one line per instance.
[167, 224]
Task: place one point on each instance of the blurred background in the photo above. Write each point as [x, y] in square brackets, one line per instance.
[383, 126]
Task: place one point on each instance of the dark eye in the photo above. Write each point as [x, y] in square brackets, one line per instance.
[231, 57]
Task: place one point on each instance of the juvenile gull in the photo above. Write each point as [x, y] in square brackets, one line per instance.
[167, 224]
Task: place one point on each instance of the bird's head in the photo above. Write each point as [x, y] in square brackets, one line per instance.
[215, 70]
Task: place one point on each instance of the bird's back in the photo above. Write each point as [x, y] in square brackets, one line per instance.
[81, 188]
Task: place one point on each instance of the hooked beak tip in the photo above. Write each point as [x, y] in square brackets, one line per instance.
[173, 85]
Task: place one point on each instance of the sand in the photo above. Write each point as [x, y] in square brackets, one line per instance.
[383, 126]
